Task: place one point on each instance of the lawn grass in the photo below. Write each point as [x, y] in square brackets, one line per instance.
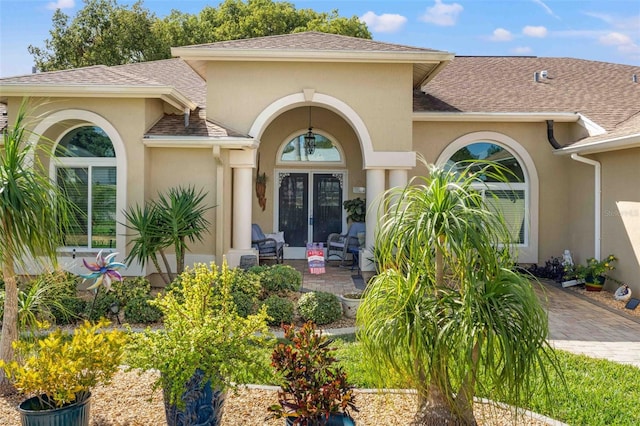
[598, 392]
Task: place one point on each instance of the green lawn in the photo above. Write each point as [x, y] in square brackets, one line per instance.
[597, 392]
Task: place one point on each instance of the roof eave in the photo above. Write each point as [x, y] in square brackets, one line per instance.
[226, 142]
[166, 93]
[285, 55]
[519, 117]
[613, 144]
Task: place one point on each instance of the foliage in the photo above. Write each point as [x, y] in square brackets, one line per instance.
[202, 331]
[353, 295]
[64, 370]
[278, 279]
[356, 209]
[131, 291]
[33, 215]
[170, 221]
[279, 310]
[104, 32]
[139, 310]
[595, 268]
[448, 312]
[312, 386]
[245, 304]
[320, 307]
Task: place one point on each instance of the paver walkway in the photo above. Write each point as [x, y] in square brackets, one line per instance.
[576, 324]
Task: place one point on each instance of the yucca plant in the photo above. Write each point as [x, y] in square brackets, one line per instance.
[447, 311]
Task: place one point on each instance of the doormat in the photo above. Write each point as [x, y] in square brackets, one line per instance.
[632, 303]
[358, 281]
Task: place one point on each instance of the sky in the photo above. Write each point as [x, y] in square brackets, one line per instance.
[603, 30]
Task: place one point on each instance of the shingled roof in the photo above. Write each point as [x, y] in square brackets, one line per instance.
[199, 126]
[603, 92]
[310, 41]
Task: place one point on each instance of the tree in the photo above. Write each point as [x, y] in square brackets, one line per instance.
[33, 214]
[447, 311]
[172, 220]
[106, 33]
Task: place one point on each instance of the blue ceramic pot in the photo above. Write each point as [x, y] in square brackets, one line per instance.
[337, 419]
[203, 406]
[33, 414]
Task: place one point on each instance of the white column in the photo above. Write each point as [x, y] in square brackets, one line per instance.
[242, 163]
[375, 188]
[242, 208]
[398, 178]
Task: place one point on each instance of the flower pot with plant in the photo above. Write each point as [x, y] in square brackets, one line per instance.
[594, 273]
[356, 209]
[205, 347]
[61, 372]
[313, 390]
[350, 303]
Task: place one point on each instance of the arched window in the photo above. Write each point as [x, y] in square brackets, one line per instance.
[85, 169]
[519, 199]
[510, 197]
[326, 151]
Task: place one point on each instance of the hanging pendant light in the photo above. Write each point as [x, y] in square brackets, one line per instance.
[310, 138]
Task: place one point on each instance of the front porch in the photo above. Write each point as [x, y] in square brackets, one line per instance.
[337, 279]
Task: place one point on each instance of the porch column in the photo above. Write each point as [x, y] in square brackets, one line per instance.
[398, 178]
[242, 163]
[375, 188]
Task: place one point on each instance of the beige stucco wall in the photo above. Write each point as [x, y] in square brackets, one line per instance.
[380, 93]
[430, 139]
[172, 168]
[621, 214]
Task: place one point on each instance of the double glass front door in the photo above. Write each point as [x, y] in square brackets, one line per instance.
[309, 207]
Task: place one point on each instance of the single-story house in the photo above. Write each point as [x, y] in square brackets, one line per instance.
[218, 114]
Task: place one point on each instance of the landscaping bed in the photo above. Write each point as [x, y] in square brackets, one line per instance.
[130, 401]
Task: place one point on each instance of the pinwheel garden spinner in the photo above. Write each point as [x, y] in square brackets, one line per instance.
[104, 271]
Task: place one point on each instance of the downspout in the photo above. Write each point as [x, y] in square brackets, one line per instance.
[597, 199]
[597, 183]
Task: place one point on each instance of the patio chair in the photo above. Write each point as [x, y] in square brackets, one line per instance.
[338, 245]
[269, 247]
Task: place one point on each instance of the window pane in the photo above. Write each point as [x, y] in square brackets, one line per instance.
[103, 207]
[512, 206]
[490, 152]
[73, 182]
[325, 151]
[88, 141]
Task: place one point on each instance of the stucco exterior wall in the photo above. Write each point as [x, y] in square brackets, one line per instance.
[431, 138]
[621, 214]
[238, 92]
[171, 168]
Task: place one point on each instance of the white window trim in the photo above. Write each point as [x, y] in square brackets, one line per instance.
[296, 134]
[528, 252]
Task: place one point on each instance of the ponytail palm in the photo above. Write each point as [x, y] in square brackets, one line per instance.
[447, 311]
[33, 214]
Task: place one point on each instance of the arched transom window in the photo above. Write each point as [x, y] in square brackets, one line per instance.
[86, 171]
[326, 151]
[510, 197]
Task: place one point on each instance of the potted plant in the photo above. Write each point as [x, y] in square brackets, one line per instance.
[356, 209]
[61, 372]
[313, 390]
[204, 348]
[594, 273]
[350, 303]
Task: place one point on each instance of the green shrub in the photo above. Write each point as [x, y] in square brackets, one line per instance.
[319, 307]
[245, 304]
[138, 310]
[279, 309]
[279, 279]
[130, 290]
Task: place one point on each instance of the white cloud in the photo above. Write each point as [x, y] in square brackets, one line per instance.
[546, 8]
[444, 15]
[627, 23]
[532, 31]
[521, 50]
[385, 23]
[615, 39]
[500, 34]
[61, 4]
